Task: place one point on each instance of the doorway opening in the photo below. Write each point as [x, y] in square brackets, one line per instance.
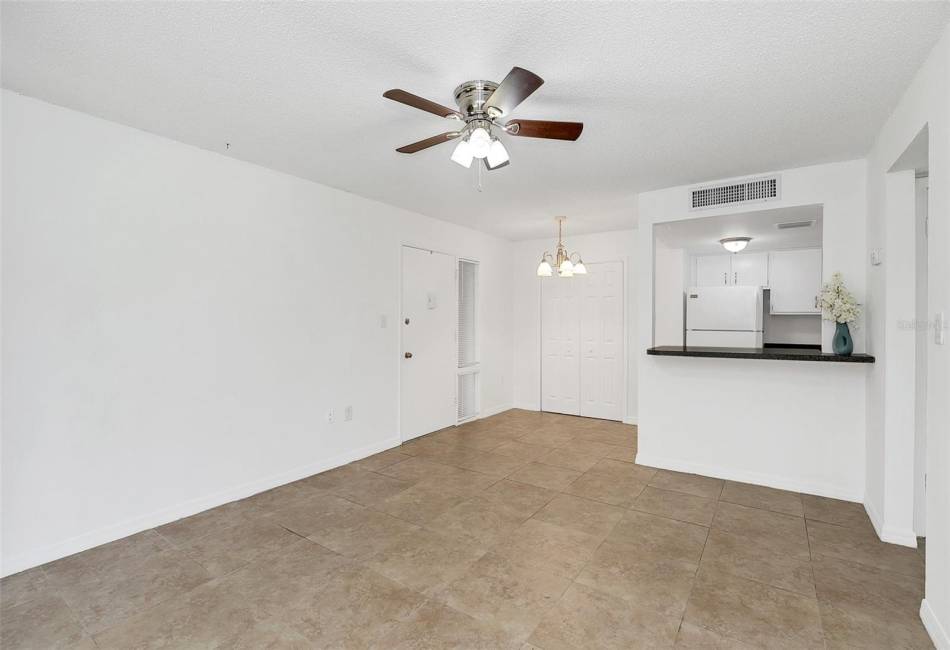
[911, 172]
[921, 204]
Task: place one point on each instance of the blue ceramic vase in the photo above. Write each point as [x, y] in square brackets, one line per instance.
[841, 343]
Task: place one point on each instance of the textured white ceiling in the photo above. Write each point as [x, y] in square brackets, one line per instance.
[670, 93]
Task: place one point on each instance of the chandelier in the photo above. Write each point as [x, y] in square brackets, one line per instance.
[567, 264]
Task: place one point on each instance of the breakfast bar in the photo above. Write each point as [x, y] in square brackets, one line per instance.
[769, 352]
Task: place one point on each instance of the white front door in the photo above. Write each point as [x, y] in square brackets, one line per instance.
[428, 355]
[602, 350]
[560, 331]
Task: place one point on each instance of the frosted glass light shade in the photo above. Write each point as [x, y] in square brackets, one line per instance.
[463, 154]
[579, 268]
[480, 142]
[566, 269]
[497, 154]
[544, 269]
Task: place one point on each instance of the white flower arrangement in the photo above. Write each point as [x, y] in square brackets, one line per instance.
[837, 303]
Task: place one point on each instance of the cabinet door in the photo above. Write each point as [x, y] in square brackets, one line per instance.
[713, 271]
[795, 280]
[750, 269]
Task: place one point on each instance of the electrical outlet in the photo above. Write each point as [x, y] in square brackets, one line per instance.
[348, 413]
[331, 416]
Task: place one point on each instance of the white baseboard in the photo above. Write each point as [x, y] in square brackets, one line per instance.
[495, 410]
[900, 536]
[876, 520]
[528, 406]
[890, 534]
[781, 482]
[35, 557]
[938, 633]
[525, 406]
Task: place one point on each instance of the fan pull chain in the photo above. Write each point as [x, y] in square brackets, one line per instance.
[478, 175]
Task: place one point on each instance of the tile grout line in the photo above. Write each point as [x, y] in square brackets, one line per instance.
[695, 579]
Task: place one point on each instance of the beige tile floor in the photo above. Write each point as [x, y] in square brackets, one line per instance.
[523, 530]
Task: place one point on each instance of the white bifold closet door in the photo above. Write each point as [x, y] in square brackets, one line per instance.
[582, 343]
[560, 340]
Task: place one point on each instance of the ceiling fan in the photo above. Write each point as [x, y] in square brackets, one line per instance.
[481, 107]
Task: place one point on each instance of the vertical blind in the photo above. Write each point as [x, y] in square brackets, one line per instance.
[468, 397]
[468, 281]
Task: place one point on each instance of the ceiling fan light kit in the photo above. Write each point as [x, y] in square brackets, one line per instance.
[481, 105]
[568, 264]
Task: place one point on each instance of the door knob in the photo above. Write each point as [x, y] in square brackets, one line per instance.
[408, 355]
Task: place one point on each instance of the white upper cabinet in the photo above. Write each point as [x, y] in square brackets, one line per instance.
[742, 269]
[750, 269]
[795, 281]
[713, 270]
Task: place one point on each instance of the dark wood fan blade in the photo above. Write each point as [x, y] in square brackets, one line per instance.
[428, 142]
[545, 129]
[421, 103]
[514, 89]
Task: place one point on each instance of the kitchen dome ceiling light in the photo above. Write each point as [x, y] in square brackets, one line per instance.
[567, 264]
[735, 244]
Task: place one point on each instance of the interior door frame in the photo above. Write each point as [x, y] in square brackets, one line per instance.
[399, 322]
[623, 261]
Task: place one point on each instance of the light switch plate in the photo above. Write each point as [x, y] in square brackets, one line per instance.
[877, 256]
[940, 328]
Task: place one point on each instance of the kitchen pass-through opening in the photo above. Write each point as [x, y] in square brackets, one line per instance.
[745, 280]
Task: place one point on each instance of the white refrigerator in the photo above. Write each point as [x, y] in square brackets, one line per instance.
[724, 317]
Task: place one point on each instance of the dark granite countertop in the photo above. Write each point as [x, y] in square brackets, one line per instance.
[781, 354]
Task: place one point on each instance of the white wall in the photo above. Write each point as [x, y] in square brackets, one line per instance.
[526, 296]
[177, 323]
[788, 424]
[668, 299]
[798, 330]
[925, 103]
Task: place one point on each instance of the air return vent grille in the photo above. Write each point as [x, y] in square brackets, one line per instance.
[788, 225]
[746, 191]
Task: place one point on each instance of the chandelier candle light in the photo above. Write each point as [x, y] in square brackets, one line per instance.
[563, 261]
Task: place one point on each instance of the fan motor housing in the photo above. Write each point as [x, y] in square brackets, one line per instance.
[472, 95]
